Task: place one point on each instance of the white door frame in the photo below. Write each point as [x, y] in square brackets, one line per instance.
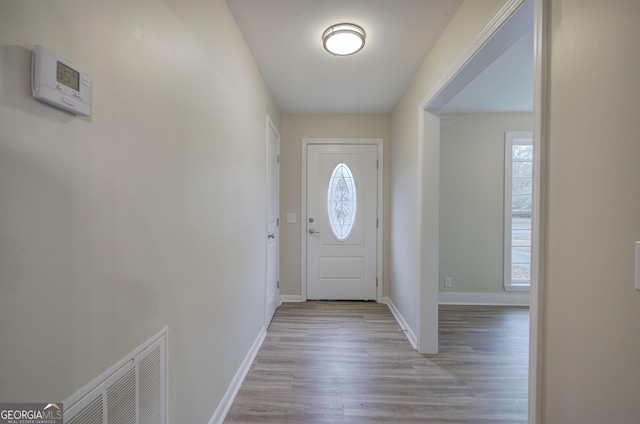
[511, 22]
[272, 127]
[303, 208]
[502, 30]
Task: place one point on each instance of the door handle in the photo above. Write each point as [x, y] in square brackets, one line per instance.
[272, 235]
[312, 231]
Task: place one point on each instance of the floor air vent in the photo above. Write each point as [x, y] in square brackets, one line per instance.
[134, 391]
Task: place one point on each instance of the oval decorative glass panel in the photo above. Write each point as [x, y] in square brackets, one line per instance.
[341, 202]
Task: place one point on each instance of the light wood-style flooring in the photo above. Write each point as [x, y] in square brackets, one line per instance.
[349, 362]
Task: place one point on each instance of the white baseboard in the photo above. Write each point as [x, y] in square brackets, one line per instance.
[403, 324]
[494, 299]
[226, 402]
[291, 298]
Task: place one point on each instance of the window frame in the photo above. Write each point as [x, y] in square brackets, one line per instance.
[511, 138]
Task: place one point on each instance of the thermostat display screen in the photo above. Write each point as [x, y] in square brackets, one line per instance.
[67, 76]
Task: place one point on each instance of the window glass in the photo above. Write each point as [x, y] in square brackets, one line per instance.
[518, 207]
[341, 201]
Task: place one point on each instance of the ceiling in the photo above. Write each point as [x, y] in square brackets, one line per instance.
[284, 37]
[506, 85]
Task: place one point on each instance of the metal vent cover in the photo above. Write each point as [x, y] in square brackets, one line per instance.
[134, 391]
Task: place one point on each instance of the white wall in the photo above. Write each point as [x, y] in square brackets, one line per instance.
[293, 129]
[470, 18]
[149, 213]
[591, 341]
[472, 199]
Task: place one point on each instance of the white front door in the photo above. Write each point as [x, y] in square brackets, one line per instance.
[341, 221]
[273, 234]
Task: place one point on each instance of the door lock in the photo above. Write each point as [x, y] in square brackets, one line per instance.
[312, 231]
[311, 220]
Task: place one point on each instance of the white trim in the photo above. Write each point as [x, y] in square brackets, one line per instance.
[402, 322]
[290, 298]
[537, 221]
[228, 398]
[271, 126]
[428, 231]
[495, 299]
[439, 96]
[506, 27]
[303, 207]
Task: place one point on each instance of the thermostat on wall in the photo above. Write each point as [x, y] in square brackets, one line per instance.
[59, 82]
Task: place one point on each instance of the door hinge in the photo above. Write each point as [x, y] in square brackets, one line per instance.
[277, 222]
[278, 158]
[377, 163]
[377, 223]
[278, 285]
[376, 281]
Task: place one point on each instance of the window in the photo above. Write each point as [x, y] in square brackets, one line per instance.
[518, 195]
[341, 202]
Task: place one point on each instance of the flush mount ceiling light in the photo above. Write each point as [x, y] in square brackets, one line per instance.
[343, 39]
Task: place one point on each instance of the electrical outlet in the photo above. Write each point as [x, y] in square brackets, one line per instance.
[447, 282]
[291, 218]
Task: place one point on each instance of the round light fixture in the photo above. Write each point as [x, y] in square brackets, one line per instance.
[343, 39]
